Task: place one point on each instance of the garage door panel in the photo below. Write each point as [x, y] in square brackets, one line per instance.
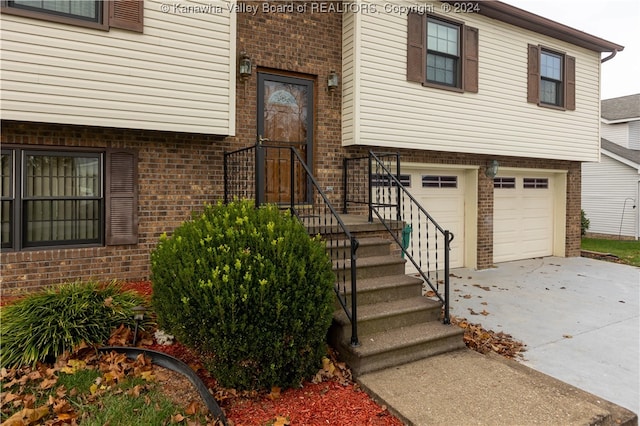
[523, 219]
[446, 207]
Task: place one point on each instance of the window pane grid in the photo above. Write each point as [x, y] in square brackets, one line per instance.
[431, 181]
[551, 78]
[82, 9]
[68, 221]
[443, 52]
[504, 182]
[7, 202]
[6, 213]
[62, 199]
[535, 183]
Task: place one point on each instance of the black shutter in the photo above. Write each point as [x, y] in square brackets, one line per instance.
[470, 83]
[533, 80]
[570, 83]
[126, 14]
[121, 197]
[416, 49]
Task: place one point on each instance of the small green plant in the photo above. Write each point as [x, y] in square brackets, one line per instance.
[250, 287]
[584, 223]
[44, 325]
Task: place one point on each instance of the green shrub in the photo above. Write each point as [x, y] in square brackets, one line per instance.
[584, 223]
[44, 325]
[249, 287]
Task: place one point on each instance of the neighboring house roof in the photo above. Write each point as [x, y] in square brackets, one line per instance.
[625, 107]
[530, 21]
[632, 155]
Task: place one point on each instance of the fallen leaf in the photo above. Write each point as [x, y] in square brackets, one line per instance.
[281, 421]
[193, 408]
[27, 416]
[178, 418]
[275, 393]
[567, 336]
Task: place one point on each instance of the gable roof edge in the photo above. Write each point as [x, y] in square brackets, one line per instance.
[515, 16]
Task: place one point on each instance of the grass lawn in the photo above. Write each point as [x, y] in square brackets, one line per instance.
[627, 250]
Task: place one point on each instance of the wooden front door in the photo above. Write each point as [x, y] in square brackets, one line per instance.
[285, 118]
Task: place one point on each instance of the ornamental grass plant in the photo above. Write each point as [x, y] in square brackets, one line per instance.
[251, 289]
[43, 325]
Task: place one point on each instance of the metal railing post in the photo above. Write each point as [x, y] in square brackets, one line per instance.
[226, 177]
[399, 213]
[370, 177]
[447, 246]
[354, 304]
[345, 176]
[260, 172]
[292, 176]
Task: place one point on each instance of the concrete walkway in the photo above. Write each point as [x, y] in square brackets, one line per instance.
[580, 320]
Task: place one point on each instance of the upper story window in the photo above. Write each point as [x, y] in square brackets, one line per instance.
[551, 81]
[67, 198]
[86, 10]
[442, 53]
[103, 15]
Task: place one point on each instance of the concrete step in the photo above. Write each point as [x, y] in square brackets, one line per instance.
[386, 316]
[399, 346]
[384, 289]
[372, 246]
[369, 267]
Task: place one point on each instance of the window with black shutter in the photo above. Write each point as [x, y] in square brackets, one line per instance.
[442, 53]
[551, 78]
[106, 14]
[68, 198]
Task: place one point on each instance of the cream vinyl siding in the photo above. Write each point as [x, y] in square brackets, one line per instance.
[179, 75]
[616, 133]
[349, 82]
[605, 187]
[390, 111]
[634, 135]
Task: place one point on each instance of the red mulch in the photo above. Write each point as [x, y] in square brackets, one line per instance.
[324, 403]
[328, 402]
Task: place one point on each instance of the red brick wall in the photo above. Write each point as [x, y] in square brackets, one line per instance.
[177, 173]
[307, 45]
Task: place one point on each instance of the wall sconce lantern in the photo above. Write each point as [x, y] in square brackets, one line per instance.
[492, 169]
[333, 80]
[244, 66]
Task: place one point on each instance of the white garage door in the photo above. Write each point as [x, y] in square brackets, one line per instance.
[441, 193]
[522, 216]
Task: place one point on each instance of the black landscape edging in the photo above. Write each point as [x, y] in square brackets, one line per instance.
[174, 364]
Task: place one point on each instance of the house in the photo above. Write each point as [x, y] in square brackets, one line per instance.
[112, 133]
[611, 187]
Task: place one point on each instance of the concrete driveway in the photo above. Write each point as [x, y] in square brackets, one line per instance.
[579, 317]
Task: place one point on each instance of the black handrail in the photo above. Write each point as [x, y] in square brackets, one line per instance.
[244, 177]
[422, 240]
